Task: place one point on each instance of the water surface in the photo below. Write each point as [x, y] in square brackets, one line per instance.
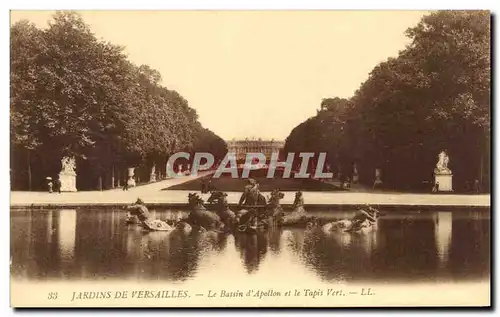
[87, 244]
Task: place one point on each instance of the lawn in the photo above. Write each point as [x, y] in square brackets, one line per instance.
[227, 183]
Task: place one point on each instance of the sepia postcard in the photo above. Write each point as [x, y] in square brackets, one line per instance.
[250, 158]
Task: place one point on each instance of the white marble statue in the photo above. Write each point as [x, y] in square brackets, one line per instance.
[355, 174]
[152, 177]
[68, 165]
[67, 175]
[378, 178]
[442, 164]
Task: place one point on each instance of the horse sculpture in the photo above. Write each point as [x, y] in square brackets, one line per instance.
[274, 208]
[219, 203]
[201, 217]
[262, 214]
[255, 212]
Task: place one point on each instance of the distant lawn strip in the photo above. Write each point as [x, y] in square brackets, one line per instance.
[227, 183]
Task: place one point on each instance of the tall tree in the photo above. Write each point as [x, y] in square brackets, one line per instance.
[74, 95]
[434, 95]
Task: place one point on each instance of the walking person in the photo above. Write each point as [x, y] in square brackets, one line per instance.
[125, 185]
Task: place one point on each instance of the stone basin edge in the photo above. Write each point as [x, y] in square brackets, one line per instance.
[329, 206]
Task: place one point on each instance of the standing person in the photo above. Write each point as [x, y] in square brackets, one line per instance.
[204, 186]
[58, 185]
[250, 198]
[477, 187]
[436, 188]
[347, 183]
[210, 186]
[50, 185]
[250, 193]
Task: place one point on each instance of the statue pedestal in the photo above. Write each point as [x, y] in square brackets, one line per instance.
[68, 182]
[131, 180]
[445, 182]
[152, 175]
[152, 178]
[355, 178]
[355, 175]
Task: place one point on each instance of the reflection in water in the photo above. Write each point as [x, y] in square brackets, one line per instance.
[443, 229]
[166, 255]
[364, 242]
[96, 244]
[50, 226]
[252, 248]
[402, 247]
[294, 239]
[338, 255]
[323, 252]
[275, 237]
[470, 245]
[66, 234]
[213, 241]
[344, 240]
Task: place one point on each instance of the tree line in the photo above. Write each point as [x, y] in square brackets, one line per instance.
[77, 96]
[434, 96]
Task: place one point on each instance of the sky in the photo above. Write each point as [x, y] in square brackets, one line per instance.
[253, 73]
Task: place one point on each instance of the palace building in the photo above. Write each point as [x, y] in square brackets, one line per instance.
[242, 147]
